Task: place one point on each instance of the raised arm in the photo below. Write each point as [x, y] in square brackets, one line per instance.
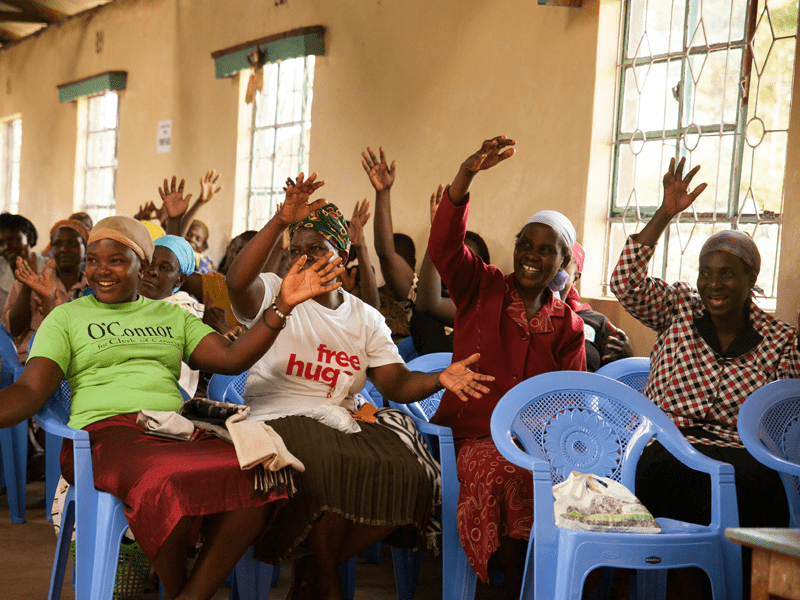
[396, 271]
[490, 153]
[396, 382]
[677, 198]
[369, 286]
[207, 192]
[23, 398]
[175, 205]
[218, 354]
[245, 288]
[429, 286]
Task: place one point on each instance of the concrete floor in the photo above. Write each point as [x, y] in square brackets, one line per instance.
[26, 558]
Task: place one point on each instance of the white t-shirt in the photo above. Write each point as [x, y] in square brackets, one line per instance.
[321, 357]
[189, 378]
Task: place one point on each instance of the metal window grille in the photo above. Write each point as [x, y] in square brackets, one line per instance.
[280, 134]
[711, 81]
[100, 166]
[10, 152]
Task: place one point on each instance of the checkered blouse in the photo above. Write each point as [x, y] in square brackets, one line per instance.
[691, 382]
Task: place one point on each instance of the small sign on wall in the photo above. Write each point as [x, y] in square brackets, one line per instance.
[164, 143]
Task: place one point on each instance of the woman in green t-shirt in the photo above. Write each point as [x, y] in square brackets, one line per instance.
[121, 353]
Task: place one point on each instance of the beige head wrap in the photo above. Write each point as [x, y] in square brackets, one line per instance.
[127, 231]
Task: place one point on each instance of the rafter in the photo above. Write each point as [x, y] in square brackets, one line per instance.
[35, 9]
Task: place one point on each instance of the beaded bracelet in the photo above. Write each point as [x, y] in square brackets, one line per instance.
[264, 318]
[278, 312]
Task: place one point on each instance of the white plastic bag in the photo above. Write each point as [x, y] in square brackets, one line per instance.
[587, 502]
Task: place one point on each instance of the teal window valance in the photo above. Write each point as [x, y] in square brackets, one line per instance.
[97, 84]
[291, 44]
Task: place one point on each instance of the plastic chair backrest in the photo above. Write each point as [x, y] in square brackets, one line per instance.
[633, 371]
[13, 440]
[427, 363]
[769, 425]
[581, 422]
[234, 393]
[217, 386]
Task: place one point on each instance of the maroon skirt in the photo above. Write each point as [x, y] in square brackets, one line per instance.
[160, 481]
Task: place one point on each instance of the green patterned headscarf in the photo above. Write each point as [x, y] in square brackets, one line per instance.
[329, 222]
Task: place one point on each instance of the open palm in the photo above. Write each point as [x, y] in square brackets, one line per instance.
[175, 203]
[300, 283]
[380, 174]
[463, 382]
[296, 207]
[677, 196]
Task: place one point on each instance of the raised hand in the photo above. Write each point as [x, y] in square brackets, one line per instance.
[490, 154]
[436, 200]
[381, 176]
[677, 197]
[348, 279]
[300, 283]
[175, 202]
[296, 206]
[462, 382]
[146, 212]
[360, 217]
[41, 283]
[207, 184]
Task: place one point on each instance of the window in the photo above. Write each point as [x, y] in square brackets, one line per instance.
[277, 132]
[711, 81]
[10, 151]
[96, 164]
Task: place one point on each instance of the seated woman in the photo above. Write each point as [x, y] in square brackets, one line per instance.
[17, 237]
[521, 328]
[358, 488]
[173, 261]
[603, 342]
[714, 347]
[121, 353]
[34, 295]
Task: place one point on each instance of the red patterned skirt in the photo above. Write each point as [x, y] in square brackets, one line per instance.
[160, 481]
[495, 500]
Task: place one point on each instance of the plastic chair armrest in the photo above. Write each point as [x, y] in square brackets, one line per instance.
[52, 425]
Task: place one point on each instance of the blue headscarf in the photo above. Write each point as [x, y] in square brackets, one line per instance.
[182, 251]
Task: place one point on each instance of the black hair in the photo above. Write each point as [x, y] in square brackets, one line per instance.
[483, 249]
[404, 246]
[18, 222]
[246, 236]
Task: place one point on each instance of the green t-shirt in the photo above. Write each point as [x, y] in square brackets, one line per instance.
[119, 358]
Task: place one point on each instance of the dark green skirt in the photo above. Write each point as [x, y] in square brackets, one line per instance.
[368, 477]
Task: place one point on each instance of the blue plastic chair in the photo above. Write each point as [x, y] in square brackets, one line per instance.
[633, 371]
[234, 391]
[573, 421]
[217, 386]
[458, 578]
[13, 440]
[769, 425]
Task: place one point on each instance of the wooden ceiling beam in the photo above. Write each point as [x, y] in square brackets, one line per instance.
[10, 16]
[35, 9]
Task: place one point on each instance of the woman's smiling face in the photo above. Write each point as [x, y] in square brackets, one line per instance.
[539, 253]
[113, 271]
[724, 283]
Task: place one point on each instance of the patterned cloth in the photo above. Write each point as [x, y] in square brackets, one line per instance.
[737, 243]
[329, 222]
[696, 385]
[495, 500]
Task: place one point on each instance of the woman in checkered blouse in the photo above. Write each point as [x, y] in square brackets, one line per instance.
[714, 347]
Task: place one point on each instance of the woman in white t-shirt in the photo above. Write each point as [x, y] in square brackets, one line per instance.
[358, 488]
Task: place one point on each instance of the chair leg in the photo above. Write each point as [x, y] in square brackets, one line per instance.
[62, 546]
[407, 565]
[251, 578]
[14, 451]
[347, 573]
[372, 555]
[52, 472]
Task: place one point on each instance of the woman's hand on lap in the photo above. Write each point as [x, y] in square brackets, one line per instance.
[296, 206]
[300, 283]
[618, 346]
[463, 382]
